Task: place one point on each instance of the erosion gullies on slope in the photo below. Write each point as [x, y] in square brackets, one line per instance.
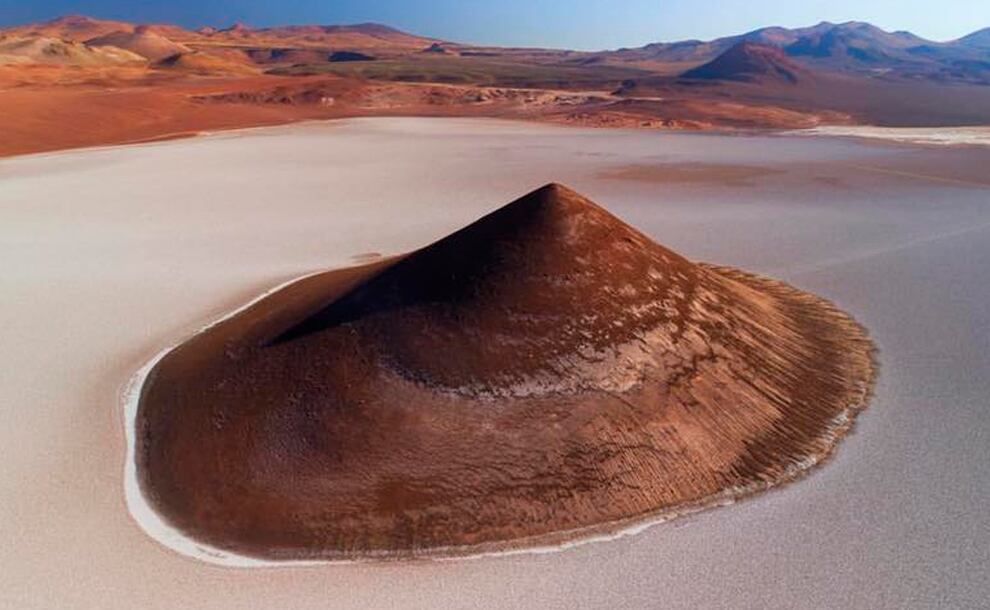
[544, 371]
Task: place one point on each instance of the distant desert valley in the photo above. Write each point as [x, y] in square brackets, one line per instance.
[62, 79]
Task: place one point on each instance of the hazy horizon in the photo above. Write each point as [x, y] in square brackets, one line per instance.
[586, 25]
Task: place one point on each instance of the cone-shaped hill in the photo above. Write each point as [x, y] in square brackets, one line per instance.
[750, 61]
[545, 372]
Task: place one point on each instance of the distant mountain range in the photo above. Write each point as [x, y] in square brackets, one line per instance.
[237, 50]
[844, 47]
[845, 72]
[80, 28]
[772, 53]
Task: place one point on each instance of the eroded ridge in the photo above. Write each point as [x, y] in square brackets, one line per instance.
[545, 372]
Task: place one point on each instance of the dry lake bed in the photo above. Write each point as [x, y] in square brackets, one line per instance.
[110, 255]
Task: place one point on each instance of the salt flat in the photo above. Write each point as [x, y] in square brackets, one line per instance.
[111, 254]
[939, 136]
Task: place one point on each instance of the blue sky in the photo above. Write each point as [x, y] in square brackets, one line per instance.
[589, 24]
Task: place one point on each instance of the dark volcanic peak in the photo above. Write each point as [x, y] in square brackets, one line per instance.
[749, 61]
[548, 370]
[502, 262]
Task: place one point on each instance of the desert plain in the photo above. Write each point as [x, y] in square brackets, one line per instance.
[112, 254]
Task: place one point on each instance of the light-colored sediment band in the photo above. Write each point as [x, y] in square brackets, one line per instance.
[936, 136]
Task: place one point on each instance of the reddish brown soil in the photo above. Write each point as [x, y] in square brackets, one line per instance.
[81, 28]
[142, 41]
[830, 99]
[61, 86]
[546, 370]
[44, 108]
[55, 109]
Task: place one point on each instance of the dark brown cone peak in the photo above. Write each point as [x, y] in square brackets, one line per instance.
[751, 61]
[550, 287]
[550, 203]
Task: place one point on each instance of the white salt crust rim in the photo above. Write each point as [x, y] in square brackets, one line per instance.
[170, 537]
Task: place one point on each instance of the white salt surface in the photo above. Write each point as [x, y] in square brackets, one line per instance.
[942, 136]
[111, 255]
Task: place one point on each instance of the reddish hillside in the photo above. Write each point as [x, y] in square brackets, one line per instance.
[207, 64]
[360, 36]
[142, 41]
[80, 28]
[742, 85]
[750, 61]
[55, 51]
[70, 27]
